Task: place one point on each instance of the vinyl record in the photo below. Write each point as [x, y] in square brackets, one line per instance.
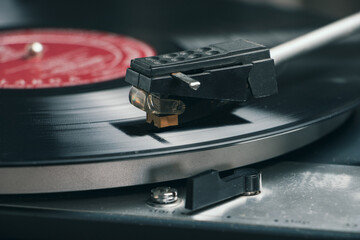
[96, 139]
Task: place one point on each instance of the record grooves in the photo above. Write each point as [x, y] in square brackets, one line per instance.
[61, 136]
[62, 123]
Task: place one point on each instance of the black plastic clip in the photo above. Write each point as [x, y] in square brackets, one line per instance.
[208, 188]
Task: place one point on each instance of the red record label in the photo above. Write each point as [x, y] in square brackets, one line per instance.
[58, 58]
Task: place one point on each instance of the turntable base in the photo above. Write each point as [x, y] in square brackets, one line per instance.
[292, 197]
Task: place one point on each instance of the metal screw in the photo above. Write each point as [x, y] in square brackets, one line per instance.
[163, 195]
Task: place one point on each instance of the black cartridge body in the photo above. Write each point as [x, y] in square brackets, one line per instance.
[232, 71]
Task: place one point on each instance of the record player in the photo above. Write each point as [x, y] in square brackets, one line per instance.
[280, 160]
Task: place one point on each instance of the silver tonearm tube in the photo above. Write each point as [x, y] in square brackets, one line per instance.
[316, 39]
